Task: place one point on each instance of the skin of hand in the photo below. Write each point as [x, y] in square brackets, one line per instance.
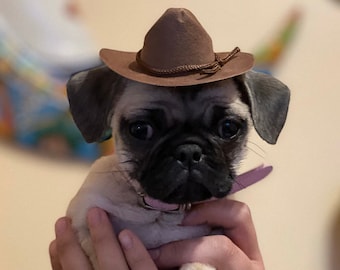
[124, 252]
[236, 249]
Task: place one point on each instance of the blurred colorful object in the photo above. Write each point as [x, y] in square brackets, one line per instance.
[268, 55]
[33, 72]
[33, 103]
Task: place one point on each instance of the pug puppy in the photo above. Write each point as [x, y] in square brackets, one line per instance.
[174, 146]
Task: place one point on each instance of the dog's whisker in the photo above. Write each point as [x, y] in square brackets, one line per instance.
[129, 161]
[258, 154]
[258, 147]
[124, 154]
[262, 156]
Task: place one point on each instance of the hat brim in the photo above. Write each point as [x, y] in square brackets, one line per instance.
[124, 63]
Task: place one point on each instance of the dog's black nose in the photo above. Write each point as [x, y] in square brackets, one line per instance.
[188, 154]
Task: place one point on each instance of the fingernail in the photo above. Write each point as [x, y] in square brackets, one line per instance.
[125, 240]
[61, 225]
[94, 217]
[154, 253]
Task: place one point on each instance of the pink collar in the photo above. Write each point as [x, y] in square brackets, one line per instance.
[242, 181]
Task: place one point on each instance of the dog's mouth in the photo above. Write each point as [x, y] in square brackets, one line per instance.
[154, 204]
[180, 197]
[189, 187]
[188, 193]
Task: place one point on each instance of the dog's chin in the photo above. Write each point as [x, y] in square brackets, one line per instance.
[188, 193]
[192, 193]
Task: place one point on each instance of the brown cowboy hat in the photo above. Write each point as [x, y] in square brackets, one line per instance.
[177, 51]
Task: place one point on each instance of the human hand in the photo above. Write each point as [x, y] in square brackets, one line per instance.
[236, 249]
[124, 252]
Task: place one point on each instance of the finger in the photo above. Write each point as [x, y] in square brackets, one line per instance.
[107, 248]
[68, 250]
[55, 263]
[234, 217]
[136, 254]
[216, 250]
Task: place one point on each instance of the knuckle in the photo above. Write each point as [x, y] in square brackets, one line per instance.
[225, 251]
[52, 249]
[243, 214]
[224, 245]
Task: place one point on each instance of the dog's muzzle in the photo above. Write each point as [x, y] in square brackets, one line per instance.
[185, 170]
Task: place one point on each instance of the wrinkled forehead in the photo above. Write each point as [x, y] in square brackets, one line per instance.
[180, 103]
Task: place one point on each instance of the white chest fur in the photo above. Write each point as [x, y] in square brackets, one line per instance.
[108, 189]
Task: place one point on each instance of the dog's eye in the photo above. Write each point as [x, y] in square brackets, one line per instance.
[228, 129]
[141, 130]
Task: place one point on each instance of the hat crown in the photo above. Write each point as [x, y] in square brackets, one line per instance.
[177, 39]
[177, 51]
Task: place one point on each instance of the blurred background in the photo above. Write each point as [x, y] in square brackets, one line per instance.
[44, 160]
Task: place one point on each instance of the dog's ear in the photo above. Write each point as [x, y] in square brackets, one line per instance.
[92, 95]
[268, 99]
